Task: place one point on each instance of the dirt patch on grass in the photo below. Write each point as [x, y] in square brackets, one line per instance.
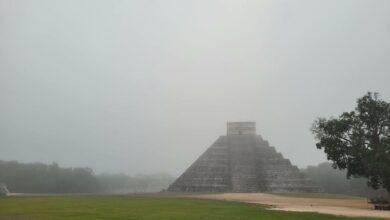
[355, 207]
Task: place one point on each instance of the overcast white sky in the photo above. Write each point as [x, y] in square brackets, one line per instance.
[147, 86]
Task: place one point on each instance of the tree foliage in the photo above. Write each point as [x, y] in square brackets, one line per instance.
[44, 178]
[359, 140]
[334, 181]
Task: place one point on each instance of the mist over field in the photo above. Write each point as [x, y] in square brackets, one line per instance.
[140, 87]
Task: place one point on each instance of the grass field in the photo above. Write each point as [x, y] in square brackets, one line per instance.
[142, 208]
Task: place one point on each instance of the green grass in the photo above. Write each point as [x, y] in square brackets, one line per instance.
[140, 208]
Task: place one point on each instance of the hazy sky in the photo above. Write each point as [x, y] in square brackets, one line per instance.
[147, 86]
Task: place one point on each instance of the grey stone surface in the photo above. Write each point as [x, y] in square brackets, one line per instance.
[241, 128]
[242, 163]
[3, 190]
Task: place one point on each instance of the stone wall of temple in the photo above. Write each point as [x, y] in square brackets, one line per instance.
[239, 128]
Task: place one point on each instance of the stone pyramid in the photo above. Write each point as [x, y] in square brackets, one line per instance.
[242, 161]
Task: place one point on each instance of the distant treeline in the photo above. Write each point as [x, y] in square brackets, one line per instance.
[43, 178]
[120, 183]
[335, 181]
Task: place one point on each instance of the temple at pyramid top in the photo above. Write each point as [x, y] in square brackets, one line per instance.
[239, 128]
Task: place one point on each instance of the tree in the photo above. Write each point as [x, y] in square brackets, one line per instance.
[359, 141]
[43, 178]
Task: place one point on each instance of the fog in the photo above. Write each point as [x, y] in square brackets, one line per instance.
[147, 86]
